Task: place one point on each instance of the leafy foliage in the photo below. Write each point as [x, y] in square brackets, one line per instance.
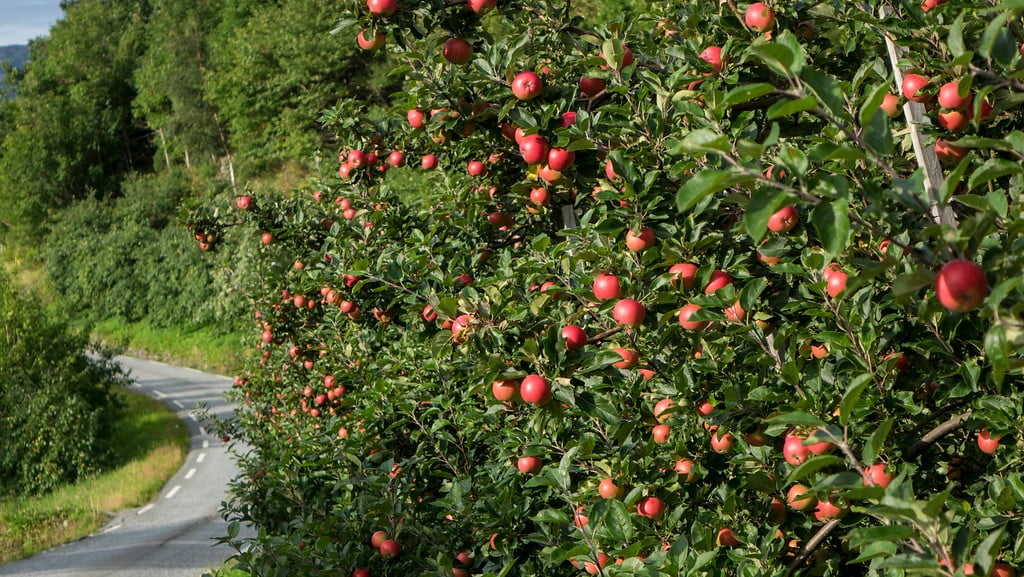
[55, 402]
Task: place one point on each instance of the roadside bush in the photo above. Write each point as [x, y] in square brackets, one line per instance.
[56, 406]
[712, 311]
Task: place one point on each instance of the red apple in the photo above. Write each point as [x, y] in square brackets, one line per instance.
[529, 465]
[606, 287]
[527, 85]
[1002, 569]
[416, 118]
[891, 105]
[590, 86]
[457, 51]
[267, 238]
[953, 120]
[428, 162]
[609, 490]
[796, 499]
[718, 279]
[534, 149]
[534, 389]
[361, 573]
[662, 409]
[685, 467]
[482, 7]
[911, 87]
[930, 4]
[961, 286]
[726, 538]
[827, 510]
[794, 450]
[836, 283]
[947, 151]
[721, 443]
[389, 549]
[629, 359]
[759, 17]
[505, 390]
[575, 337]
[560, 158]
[244, 202]
[986, 442]
[382, 7]
[734, 313]
[949, 96]
[378, 538]
[650, 507]
[784, 219]
[876, 475]
[684, 318]
[367, 42]
[661, 433]
[684, 271]
[713, 56]
[540, 196]
[476, 168]
[396, 158]
[640, 242]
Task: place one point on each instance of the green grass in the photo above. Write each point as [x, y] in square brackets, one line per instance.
[149, 443]
[200, 349]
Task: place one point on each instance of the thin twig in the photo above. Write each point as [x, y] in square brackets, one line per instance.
[935, 434]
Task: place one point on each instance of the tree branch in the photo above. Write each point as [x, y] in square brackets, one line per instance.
[935, 434]
[812, 545]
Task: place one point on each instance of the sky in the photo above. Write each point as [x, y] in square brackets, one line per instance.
[21, 20]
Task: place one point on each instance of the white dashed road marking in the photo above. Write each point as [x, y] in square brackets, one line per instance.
[191, 472]
[146, 508]
[114, 528]
[201, 458]
[206, 444]
[178, 404]
[159, 394]
[174, 491]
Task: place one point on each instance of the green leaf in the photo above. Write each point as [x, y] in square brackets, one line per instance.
[998, 350]
[703, 141]
[865, 535]
[953, 180]
[797, 418]
[831, 220]
[877, 134]
[992, 169]
[876, 441]
[852, 396]
[760, 208]
[787, 107]
[779, 57]
[872, 103]
[988, 39]
[794, 159]
[828, 90]
[955, 39]
[704, 183]
[746, 93]
[618, 522]
[988, 551]
[813, 465]
[909, 284]
[551, 516]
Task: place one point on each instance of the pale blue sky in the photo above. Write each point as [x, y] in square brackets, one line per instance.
[24, 19]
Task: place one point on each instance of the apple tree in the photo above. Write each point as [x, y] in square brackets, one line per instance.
[724, 289]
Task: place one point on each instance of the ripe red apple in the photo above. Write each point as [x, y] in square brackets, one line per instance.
[953, 120]
[718, 279]
[527, 85]
[244, 202]
[662, 409]
[987, 443]
[796, 499]
[1002, 569]
[685, 467]
[590, 86]
[505, 390]
[540, 196]
[482, 7]
[684, 318]
[821, 447]
[684, 271]
[606, 287]
[629, 312]
[734, 313]
[476, 168]
[784, 219]
[533, 148]
[640, 242]
[396, 158]
[549, 175]
[949, 96]
[382, 7]
[726, 538]
[560, 158]
[876, 475]
[930, 4]
[389, 549]
[457, 51]
[759, 17]
[370, 43]
[827, 510]
[361, 573]
[948, 152]
[535, 389]
[609, 490]
[721, 443]
[378, 538]
[428, 162]
[794, 450]
[575, 337]
[267, 238]
[629, 358]
[891, 105]
[650, 507]
[961, 286]
[459, 327]
[713, 56]
[911, 87]
[529, 465]
[609, 171]
[661, 433]
[836, 283]
[416, 118]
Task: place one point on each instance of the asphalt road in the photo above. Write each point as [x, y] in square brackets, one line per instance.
[173, 536]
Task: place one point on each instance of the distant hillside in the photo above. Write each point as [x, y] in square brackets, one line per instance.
[16, 55]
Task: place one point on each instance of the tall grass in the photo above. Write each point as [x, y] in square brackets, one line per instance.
[149, 443]
[201, 349]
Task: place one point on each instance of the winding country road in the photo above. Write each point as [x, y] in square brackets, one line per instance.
[173, 536]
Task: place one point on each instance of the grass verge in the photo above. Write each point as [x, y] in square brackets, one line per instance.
[199, 349]
[149, 444]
